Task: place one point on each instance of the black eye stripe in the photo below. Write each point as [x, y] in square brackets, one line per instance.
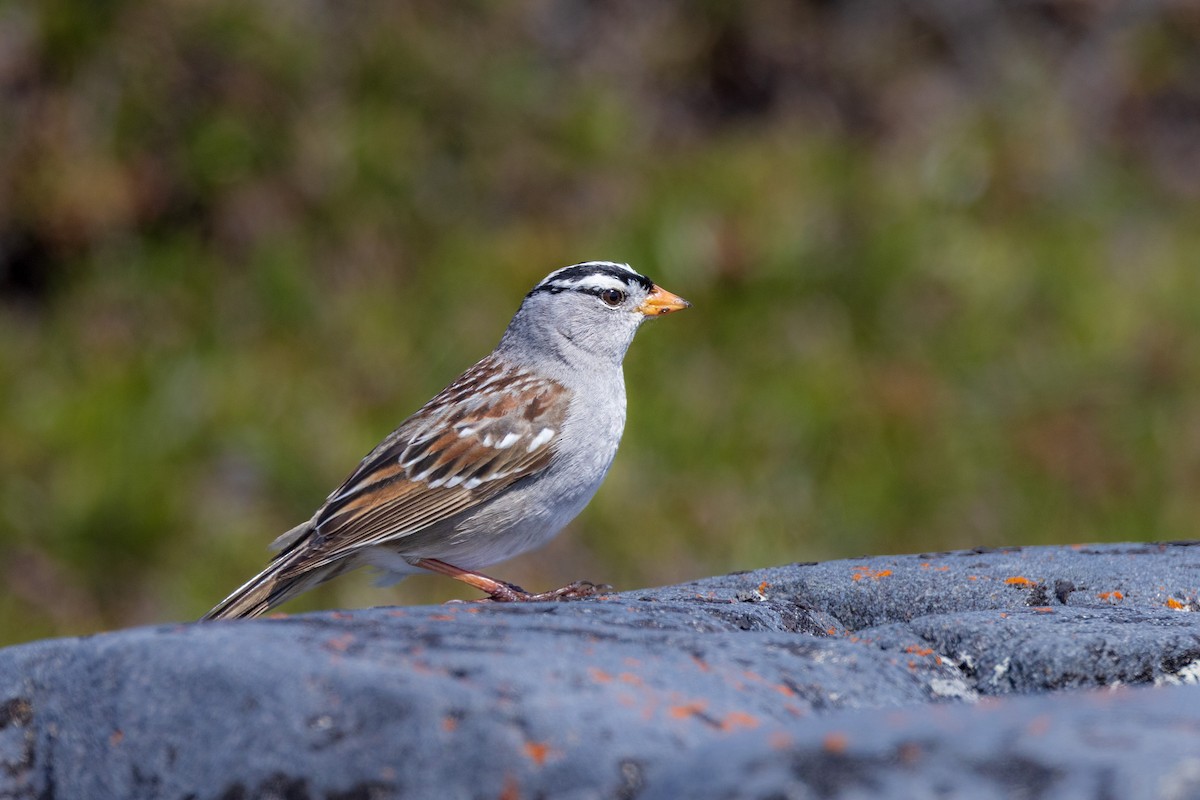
[594, 291]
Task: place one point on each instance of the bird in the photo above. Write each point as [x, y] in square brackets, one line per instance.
[496, 464]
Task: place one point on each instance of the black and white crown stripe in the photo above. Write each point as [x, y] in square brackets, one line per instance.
[593, 277]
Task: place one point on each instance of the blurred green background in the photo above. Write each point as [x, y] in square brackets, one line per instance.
[943, 256]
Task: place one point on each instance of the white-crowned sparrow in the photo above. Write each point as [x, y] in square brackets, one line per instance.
[494, 465]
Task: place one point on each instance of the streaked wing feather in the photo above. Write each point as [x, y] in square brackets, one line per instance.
[462, 448]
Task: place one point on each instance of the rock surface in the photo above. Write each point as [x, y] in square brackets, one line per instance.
[877, 677]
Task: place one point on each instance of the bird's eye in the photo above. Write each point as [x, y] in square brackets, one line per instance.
[612, 297]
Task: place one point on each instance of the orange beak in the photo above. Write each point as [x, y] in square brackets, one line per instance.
[660, 302]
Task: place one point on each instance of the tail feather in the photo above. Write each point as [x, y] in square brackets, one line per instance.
[279, 582]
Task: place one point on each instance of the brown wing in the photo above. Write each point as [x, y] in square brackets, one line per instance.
[463, 447]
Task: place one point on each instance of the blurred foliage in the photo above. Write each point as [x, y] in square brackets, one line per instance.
[943, 258]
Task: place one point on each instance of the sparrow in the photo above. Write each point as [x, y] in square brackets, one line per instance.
[496, 464]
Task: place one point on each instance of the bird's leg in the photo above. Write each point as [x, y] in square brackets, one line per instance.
[498, 590]
[501, 592]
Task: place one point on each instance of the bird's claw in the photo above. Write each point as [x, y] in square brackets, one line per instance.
[511, 593]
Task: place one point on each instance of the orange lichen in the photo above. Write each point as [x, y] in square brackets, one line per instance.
[537, 752]
[835, 742]
[1043, 609]
[1111, 597]
[630, 678]
[599, 675]
[917, 650]
[1173, 603]
[340, 644]
[762, 587]
[1017, 580]
[1038, 726]
[778, 740]
[738, 719]
[909, 753]
[867, 572]
[449, 724]
[511, 790]
[687, 710]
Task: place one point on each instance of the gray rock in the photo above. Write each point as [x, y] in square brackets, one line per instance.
[1121, 743]
[846, 678]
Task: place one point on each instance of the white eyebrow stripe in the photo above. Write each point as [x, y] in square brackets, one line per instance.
[598, 282]
[539, 440]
